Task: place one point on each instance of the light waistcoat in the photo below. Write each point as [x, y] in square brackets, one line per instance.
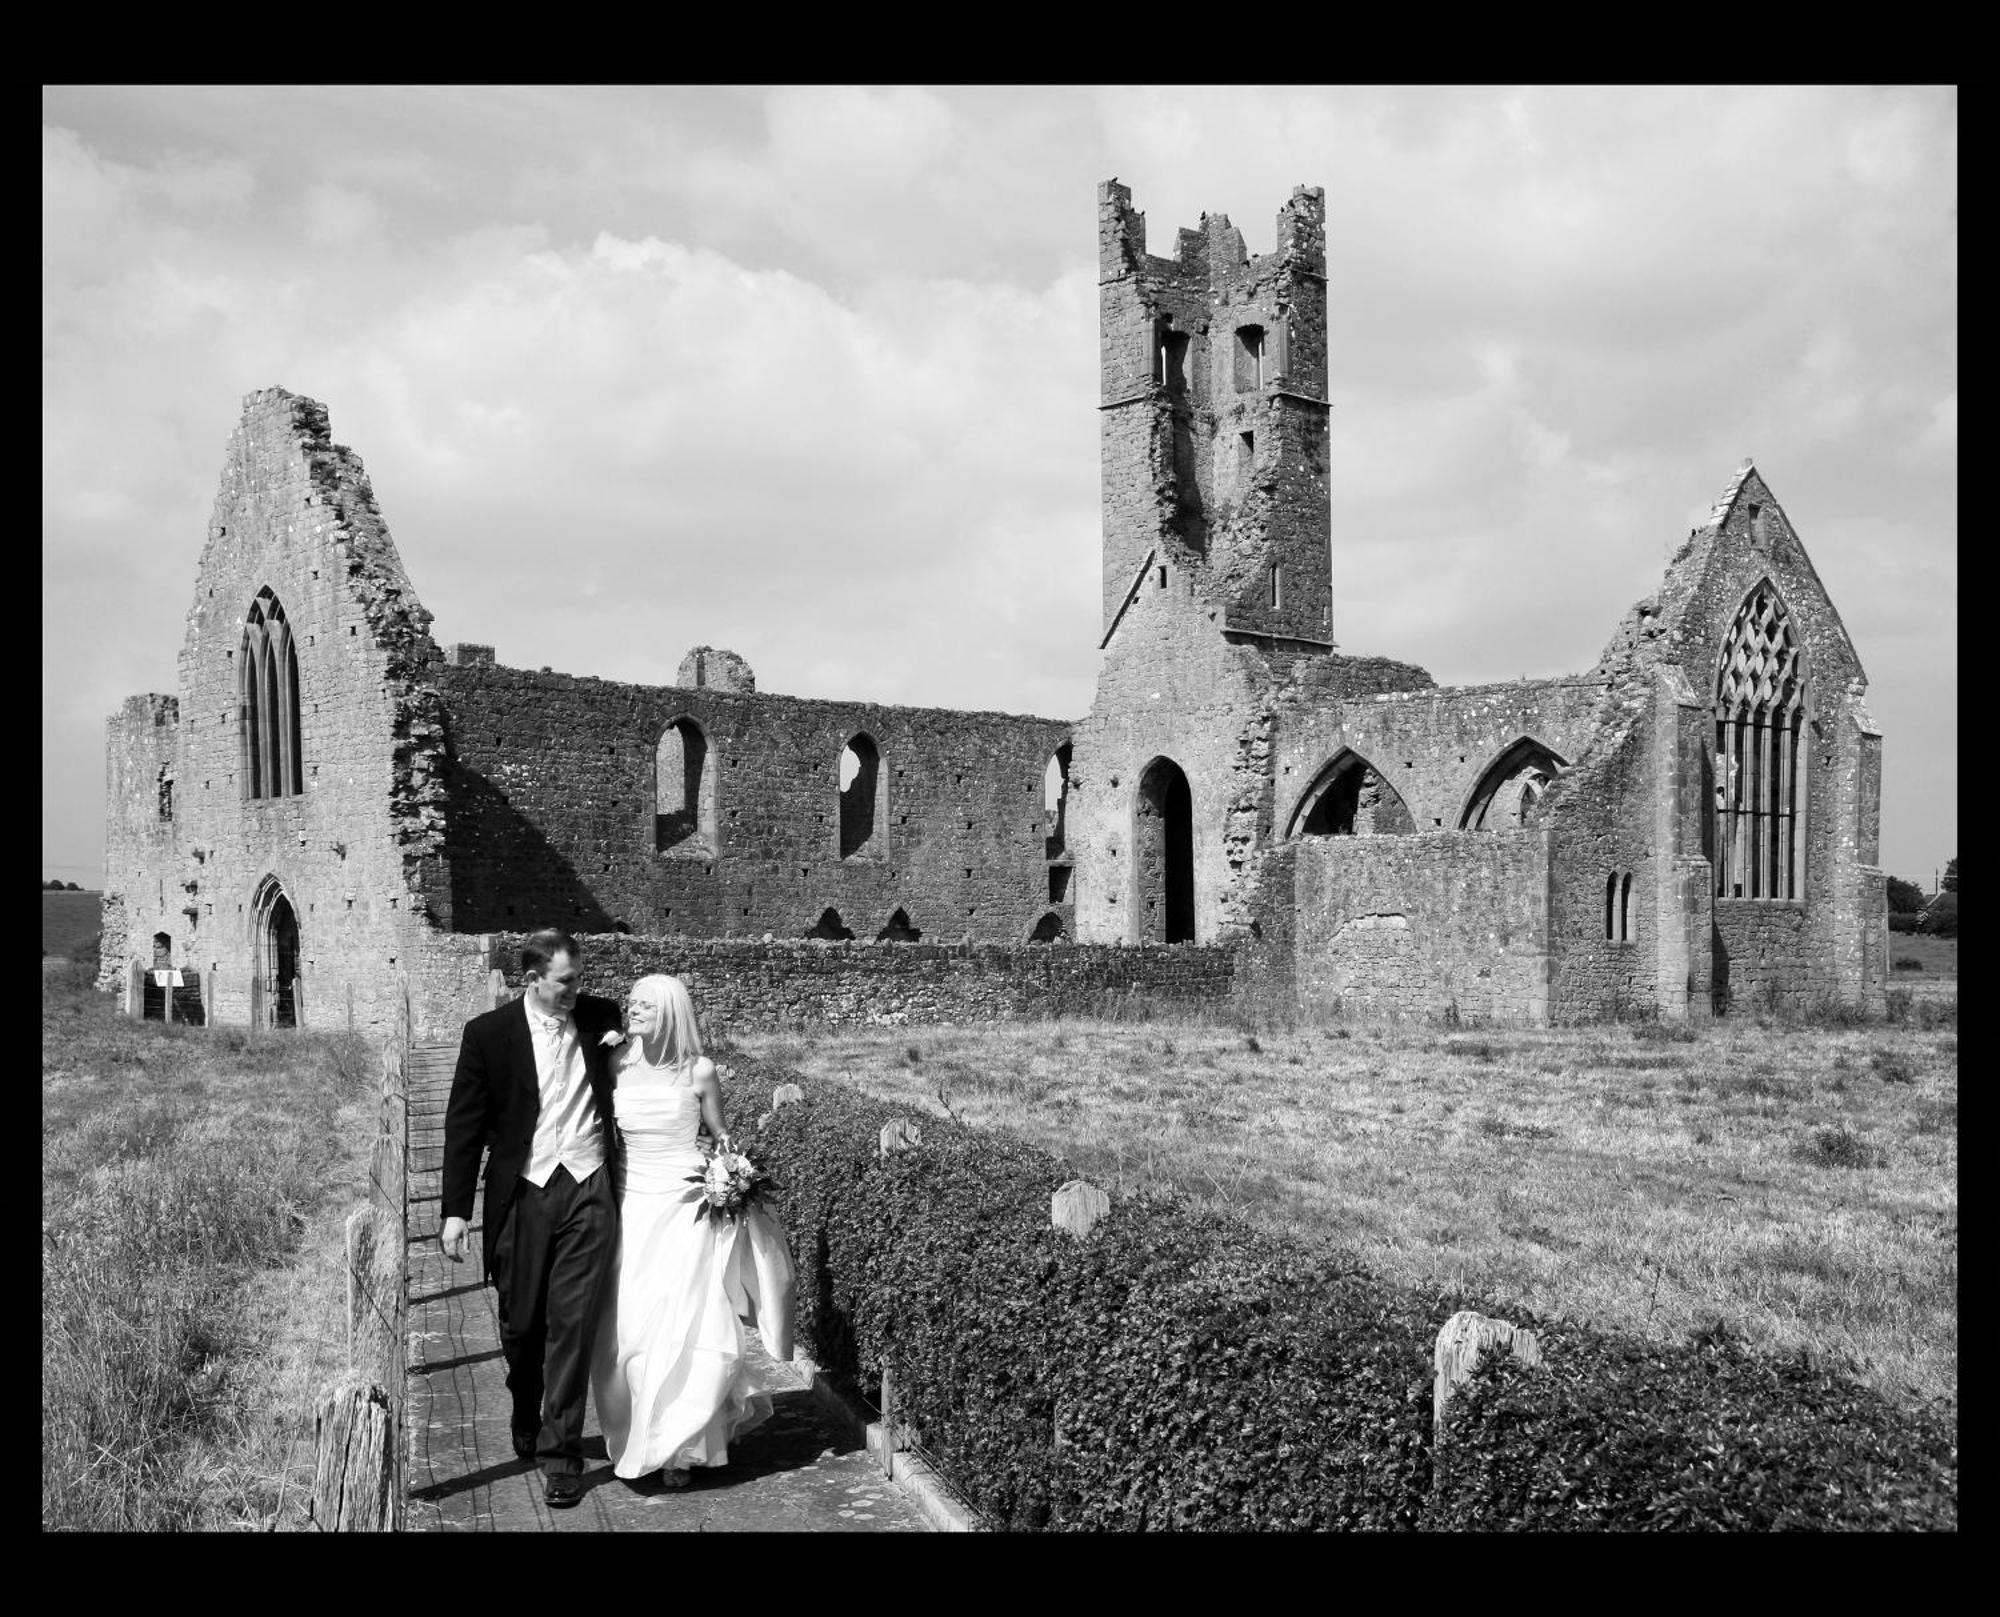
[566, 1132]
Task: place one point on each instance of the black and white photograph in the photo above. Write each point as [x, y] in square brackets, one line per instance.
[999, 809]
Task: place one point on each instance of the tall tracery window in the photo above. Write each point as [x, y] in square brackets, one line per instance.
[1759, 711]
[268, 687]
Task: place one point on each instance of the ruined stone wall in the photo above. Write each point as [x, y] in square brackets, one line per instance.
[553, 792]
[1833, 944]
[1830, 941]
[449, 976]
[1432, 745]
[358, 852]
[739, 984]
[140, 755]
[1414, 925]
[1605, 935]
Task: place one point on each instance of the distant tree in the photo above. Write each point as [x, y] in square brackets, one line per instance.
[1941, 919]
[72, 886]
[1950, 882]
[1905, 897]
[52, 887]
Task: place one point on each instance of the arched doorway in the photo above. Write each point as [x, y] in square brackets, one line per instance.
[1163, 855]
[274, 970]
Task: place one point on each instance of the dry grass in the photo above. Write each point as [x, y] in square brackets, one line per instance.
[1625, 1175]
[193, 1184]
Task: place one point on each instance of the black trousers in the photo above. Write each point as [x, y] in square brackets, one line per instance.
[551, 1259]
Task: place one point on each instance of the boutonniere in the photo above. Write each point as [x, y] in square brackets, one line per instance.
[613, 1037]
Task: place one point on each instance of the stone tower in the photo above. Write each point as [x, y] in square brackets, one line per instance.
[1214, 419]
[1216, 570]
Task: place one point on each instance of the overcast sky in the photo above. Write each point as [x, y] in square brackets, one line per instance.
[811, 373]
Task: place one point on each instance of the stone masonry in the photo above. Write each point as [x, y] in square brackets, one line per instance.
[333, 810]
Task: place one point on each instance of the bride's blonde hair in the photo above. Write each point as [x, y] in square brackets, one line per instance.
[680, 1038]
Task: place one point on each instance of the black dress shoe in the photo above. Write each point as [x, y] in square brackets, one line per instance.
[562, 1489]
[524, 1444]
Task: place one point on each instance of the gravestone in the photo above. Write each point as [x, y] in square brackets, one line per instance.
[1078, 1207]
[1464, 1342]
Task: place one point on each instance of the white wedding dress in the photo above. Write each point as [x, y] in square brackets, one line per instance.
[668, 1374]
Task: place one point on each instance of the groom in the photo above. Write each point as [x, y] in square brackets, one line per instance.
[534, 1084]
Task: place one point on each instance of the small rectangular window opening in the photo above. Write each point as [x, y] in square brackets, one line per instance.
[1277, 587]
[1249, 358]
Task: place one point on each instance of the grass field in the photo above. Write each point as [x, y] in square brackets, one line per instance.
[1797, 1182]
[1916, 957]
[71, 923]
[194, 1182]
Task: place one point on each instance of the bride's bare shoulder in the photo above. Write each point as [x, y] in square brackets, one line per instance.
[703, 1071]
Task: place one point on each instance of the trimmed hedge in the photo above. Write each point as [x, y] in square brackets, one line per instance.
[1611, 1433]
[1172, 1372]
[1180, 1371]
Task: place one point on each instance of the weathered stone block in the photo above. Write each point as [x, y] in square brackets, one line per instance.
[1464, 1342]
[1078, 1207]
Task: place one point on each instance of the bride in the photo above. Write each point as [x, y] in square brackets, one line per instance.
[669, 1377]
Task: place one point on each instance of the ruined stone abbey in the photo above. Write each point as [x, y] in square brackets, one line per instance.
[334, 806]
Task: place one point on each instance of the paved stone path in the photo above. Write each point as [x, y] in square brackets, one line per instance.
[803, 1470]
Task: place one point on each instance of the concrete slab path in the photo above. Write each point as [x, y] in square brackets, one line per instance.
[803, 1471]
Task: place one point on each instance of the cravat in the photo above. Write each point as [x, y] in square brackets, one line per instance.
[552, 1031]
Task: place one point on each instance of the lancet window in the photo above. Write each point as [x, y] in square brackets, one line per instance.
[268, 702]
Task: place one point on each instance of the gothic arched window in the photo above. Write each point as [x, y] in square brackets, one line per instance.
[268, 686]
[1759, 709]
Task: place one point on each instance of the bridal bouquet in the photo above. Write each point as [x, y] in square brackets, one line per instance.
[731, 1182]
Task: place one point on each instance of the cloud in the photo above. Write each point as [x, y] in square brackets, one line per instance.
[338, 215]
[811, 371]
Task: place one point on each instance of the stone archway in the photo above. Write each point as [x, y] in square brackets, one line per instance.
[274, 959]
[1163, 855]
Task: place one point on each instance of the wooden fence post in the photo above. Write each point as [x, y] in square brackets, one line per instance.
[359, 1480]
[357, 1474]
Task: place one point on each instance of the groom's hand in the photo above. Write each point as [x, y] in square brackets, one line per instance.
[456, 1234]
